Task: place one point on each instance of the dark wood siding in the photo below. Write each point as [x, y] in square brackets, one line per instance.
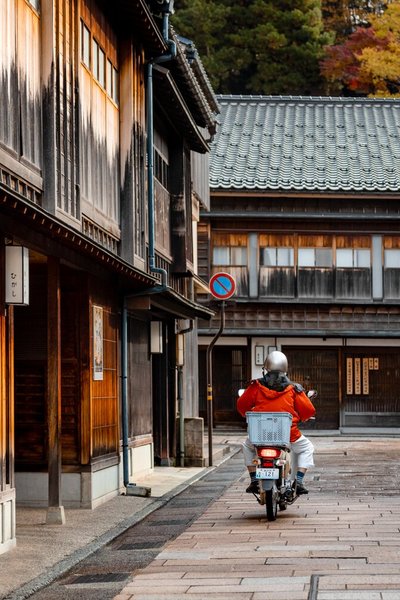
[139, 383]
[30, 337]
[105, 405]
[317, 368]
[277, 282]
[30, 415]
[66, 115]
[374, 400]
[203, 250]
[230, 373]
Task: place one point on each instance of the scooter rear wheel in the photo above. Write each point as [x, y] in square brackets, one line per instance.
[271, 504]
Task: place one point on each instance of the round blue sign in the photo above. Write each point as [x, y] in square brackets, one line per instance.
[222, 286]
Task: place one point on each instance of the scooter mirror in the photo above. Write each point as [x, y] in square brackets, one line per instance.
[312, 394]
[240, 392]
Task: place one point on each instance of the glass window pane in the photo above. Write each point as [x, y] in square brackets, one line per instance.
[102, 67]
[323, 257]
[95, 64]
[306, 257]
[85, 45]
[115, 85]
[220, 255]
[268, 257]
[238, 255]
[109, 87]
[362, 259]
[344, 257]
[392, 259]
[285, 257]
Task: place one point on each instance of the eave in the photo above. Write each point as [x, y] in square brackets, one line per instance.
[34, 217]
[135, 16]
[170, 98]
[172, 302]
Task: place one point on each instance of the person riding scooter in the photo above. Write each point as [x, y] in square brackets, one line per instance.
[274, 392]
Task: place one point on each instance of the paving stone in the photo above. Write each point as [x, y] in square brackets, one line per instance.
[348, 540]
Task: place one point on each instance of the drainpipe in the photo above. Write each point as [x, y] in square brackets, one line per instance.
[131, 488]
[166, 11]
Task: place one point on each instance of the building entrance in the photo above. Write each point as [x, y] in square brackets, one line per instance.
[316, 368]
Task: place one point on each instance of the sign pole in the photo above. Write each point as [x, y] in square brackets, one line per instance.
[209, 384]
[222, 286]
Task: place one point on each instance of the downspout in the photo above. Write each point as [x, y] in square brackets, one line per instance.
[131, 488]
[150, 139]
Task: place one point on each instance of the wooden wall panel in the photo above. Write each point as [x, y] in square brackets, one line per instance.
[20, 80]
[203, 250]
[30, 415]
[229, 239]
[353, 241]
[30, 338]
[105, 393]
[271, 240]
[391, 242]
[99, 127]
[9, 119]
[66, 111]
[315, 241]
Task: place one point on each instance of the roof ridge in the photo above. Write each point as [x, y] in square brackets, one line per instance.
[341, 99]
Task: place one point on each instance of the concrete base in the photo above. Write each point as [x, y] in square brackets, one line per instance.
[7, 520]
[55, 515]
[193, 441]
[137, 490]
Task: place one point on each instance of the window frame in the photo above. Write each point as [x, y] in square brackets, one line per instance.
[101, 67]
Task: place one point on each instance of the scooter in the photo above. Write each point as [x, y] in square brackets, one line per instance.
[270, 434]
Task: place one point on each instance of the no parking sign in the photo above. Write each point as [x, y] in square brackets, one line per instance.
[222, 286]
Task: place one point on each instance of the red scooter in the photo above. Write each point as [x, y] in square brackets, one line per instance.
[270, 434]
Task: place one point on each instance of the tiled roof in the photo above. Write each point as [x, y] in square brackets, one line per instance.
[306, 143]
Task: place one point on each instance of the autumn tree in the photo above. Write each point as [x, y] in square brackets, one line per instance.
[257, 46]
[368, 63]
[343, 16]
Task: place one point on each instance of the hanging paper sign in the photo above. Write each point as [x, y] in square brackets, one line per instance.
[17, 275]
[357, 376]
[365, 376]
[349, 376]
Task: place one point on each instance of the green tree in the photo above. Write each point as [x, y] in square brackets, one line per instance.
[257, 46]
[368, 63]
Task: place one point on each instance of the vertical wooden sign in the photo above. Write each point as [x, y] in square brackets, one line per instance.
[365, 376]
[357, 376]
[349, 376]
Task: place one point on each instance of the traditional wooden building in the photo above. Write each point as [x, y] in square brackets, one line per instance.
[305, 214]
[105, 121]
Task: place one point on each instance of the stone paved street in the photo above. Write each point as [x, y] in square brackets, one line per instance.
[342, 542]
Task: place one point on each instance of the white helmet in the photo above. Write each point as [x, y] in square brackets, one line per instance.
[276, 361]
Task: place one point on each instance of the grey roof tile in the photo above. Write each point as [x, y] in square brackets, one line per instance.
[307, 143]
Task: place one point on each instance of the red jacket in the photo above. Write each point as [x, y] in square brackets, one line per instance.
[259, 398]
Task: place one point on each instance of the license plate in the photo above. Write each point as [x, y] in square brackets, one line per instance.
[262, 473]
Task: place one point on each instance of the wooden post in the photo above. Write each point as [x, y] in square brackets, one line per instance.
[55, 512]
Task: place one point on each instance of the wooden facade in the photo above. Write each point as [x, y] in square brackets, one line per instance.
[74, 191]
[317, 272]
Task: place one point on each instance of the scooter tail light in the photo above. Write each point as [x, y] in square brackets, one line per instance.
[268, 452]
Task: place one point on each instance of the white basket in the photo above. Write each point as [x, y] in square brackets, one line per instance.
[269, 427]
